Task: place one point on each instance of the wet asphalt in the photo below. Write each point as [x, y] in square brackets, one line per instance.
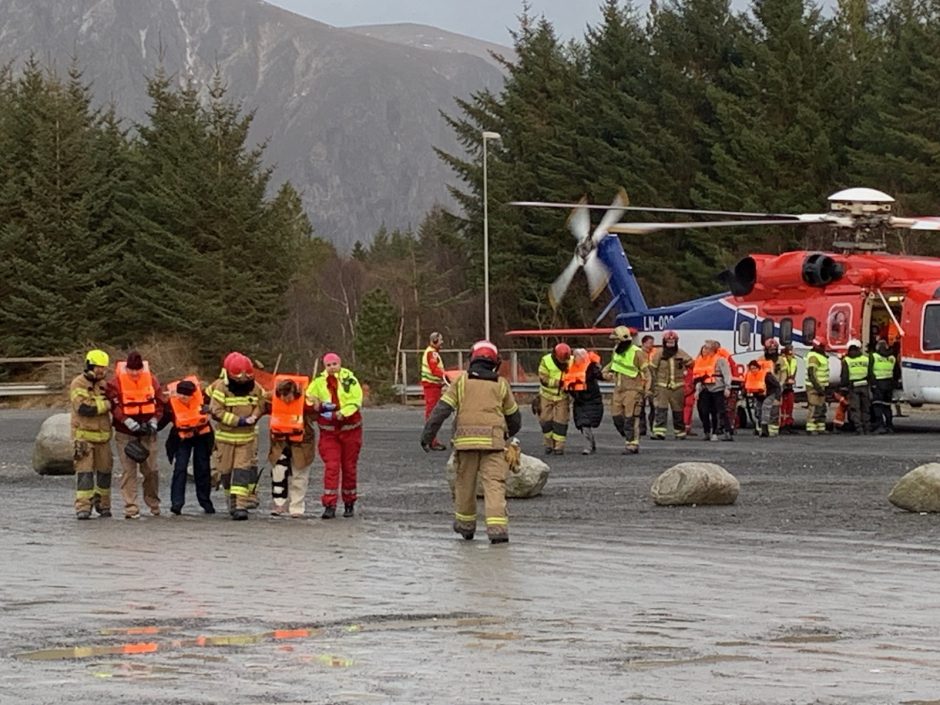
[812, 588]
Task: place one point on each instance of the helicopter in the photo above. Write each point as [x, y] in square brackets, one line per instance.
[856, 291]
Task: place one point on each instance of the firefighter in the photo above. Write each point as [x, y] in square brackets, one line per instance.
[774, 372]
[555, 404]
[667, 369]
[432, 378]
[648, 413]
[236, 402]
[788, 367]
[293, 446]
[629, 370]
[713, 380]
[817, 379]
[882, 370]
[191, 437]
[487, 415]
[856, 378]
[136, 410]
[755, 390]
[91, 437]
[587, 402]
[337, 396]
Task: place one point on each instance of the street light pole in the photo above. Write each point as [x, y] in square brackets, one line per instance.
[486, 240]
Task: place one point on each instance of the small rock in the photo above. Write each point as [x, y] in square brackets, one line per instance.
[918, 490]
[695, 483]
[54, 450]
[528, 482]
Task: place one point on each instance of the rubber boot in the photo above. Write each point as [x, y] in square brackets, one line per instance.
[348, 509]
[240, 514]
[83, 515]
[328, 513]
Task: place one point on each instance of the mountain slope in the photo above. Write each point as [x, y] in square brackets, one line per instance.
[349, 119]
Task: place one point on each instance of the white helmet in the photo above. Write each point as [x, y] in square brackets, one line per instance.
[855, 343]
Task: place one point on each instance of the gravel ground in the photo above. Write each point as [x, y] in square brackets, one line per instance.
[811, 589]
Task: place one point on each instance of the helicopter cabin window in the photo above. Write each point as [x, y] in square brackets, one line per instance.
[786, 331]
[931, 336]
[809, 329]
[840, 317]
[744, 333]
[766, 330]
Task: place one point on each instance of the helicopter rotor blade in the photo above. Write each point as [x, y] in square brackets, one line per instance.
[641, 228]
[597, 274]
[924, 223]
[645, 209]
[558, 288]
[610, 217]
[579, 222]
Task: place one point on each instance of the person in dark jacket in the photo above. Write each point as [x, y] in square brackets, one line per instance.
[582, 383]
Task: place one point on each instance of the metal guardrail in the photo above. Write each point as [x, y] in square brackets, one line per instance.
[19, 389]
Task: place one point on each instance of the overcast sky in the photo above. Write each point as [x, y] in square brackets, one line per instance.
[483, 19]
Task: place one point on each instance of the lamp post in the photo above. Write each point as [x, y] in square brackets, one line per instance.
[486, 240]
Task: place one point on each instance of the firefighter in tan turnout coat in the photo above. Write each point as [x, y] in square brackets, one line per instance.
[487, 415]
[91, 436]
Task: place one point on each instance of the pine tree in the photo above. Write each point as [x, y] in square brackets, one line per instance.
[376, 336]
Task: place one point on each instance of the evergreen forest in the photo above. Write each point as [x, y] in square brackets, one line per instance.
[113, 233]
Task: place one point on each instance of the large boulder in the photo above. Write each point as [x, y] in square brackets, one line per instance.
[695, 483]
[919, 490]
[54, 450]
[527, 482]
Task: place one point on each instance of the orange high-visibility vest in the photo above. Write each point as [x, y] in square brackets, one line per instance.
[704, 368]
[287, 419]
[188, 417]
[575, 377]
[137, 396]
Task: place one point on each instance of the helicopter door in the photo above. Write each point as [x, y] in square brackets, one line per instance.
[745, 329]
[881, 317]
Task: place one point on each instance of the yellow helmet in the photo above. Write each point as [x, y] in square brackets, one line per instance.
[621, 334]
[97, 358]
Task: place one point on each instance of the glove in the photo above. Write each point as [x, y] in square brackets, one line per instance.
[204, 409]
[152, 425]
[244, 421]
[425, 446]
[131, 425]
[327, 406]
[328, 415]
[87, 410]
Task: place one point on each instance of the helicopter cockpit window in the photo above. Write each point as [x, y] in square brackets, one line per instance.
[840, 316]
[931, 336]
[809, 329]
[766, 329]
[786, 331]
[744, 333]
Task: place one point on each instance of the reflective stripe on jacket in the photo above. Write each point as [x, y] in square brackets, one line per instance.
[550, 379]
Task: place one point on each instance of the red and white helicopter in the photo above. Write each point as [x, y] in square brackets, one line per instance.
[855, 291]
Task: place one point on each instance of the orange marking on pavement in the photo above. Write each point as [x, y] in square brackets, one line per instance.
[144, 647]
[291, 633]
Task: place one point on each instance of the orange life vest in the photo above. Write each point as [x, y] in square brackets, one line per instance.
[755, 381]
[575, 377]
[737, 371]
[188, 417]
[704, 368]
[137, 396]
[287, 419]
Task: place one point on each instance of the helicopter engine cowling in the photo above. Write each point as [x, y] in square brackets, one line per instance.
[791, 270]
[821, 270]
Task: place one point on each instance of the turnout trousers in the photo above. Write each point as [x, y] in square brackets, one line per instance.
[626, 405]
[492, 468]
[669, 400]
[236, 466]
[553, 420]
[816, 422]
[93, 463]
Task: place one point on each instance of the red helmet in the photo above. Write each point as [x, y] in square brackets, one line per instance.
[238, 366]
[562, 352]
[818, 342]
[670, 335]
[771, 344]
[484, 350]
